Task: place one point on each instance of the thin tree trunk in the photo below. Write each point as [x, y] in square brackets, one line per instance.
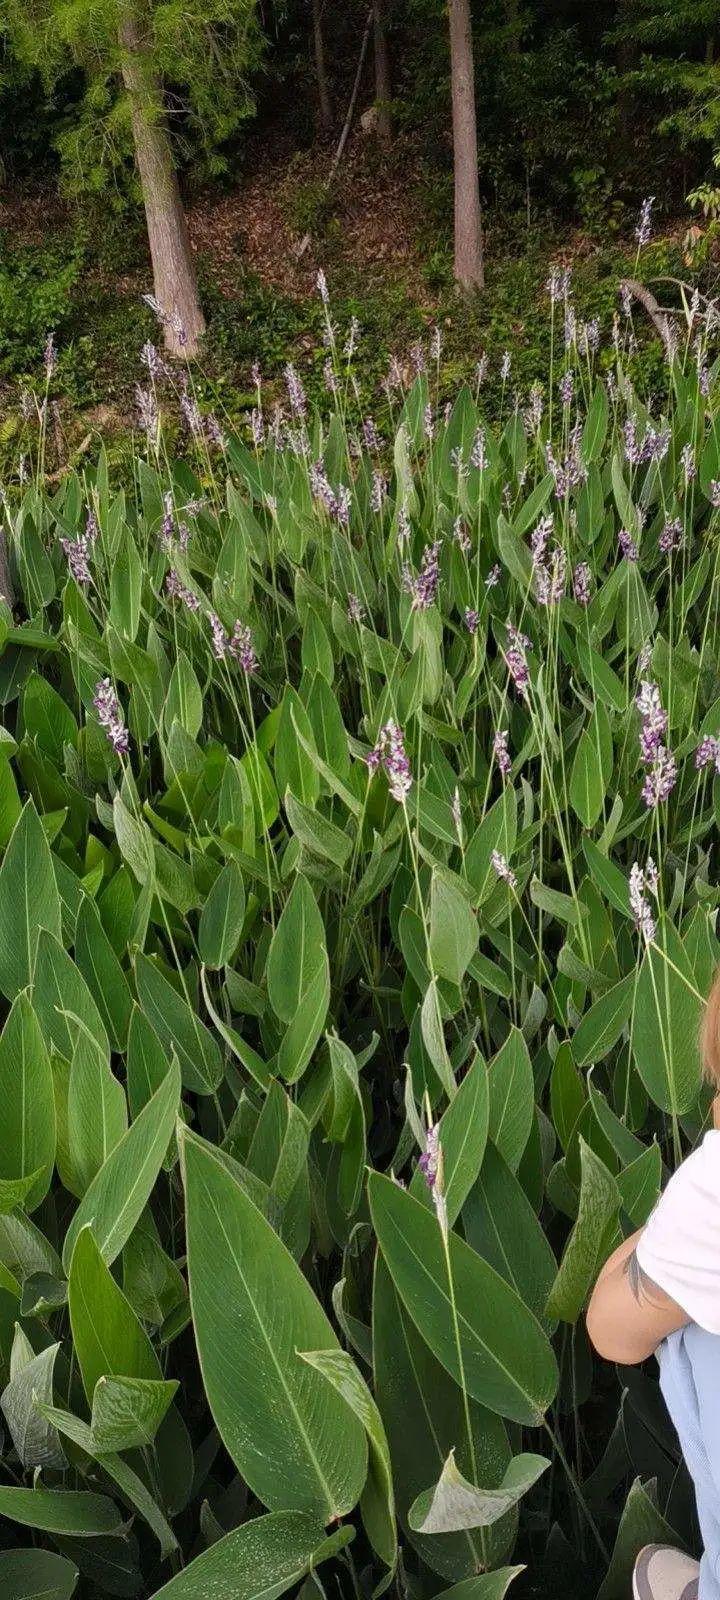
[468, 217]
[175, 284]
[324, 101]
[383, 86]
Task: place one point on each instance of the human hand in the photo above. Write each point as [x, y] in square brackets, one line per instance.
[716, 1111]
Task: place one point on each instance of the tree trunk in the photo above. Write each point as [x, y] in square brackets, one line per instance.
[468, 218]
[383, 87]
[324, 101]
[174, 278]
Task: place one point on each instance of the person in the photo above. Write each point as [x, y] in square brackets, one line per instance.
[659, 1293]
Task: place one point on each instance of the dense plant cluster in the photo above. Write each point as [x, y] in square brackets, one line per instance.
[357, 905]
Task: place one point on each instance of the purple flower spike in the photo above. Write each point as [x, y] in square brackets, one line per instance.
[110, 717]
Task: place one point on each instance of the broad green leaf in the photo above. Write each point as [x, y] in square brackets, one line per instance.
[74, 1512]
[36, 1442]
[463, 1138]
[584, 1252]
[592, 438]
[639, 1185]
[126, 575]
[297, 958]
[497, 831]
[27, 1097]
[108, 1337]
[257, 1561]
[184, 703]
[454, 932]
[641, 1523]
[36, 1575]
[600, 1028]
[63, 1002]
[433, 1036]
[377, 1502]
[179, 1028]
[294, 770]
[486, 1586]
[128, 1482]
[512, 1098]
[103, 974]
[425, 1416]
[592, 768]
[453, 1504]
[48, 718]
[127, 1412]
[29, 901]
[97, 1115]
[297, 1445]
[119, 1193]
[507, 1361]
[222, 917]
[499, 1222]
[665, 1023]
[317, 833]
[147, 1062]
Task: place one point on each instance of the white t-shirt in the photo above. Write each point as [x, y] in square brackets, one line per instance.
[680, 1247]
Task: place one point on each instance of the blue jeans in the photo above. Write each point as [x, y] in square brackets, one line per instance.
[690, 1381]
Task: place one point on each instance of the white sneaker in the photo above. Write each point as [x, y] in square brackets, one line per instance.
[662, 1573]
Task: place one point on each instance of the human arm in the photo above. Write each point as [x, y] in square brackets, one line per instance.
[629, 1315]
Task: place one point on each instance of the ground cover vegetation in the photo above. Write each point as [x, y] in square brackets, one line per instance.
[357, 904]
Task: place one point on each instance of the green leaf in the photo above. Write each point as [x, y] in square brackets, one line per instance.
[499, 1222]
[666, 1021]
[63, 1002]
[599, 1206]
[222, 917]
[453, 1504]
[600, 1028]
[36, 1575]
[257, 1561]
[294, 769]
[179, 1028]
[47, 718]
[426, 1415]
[592, 768]
[595, 426]
[463, 1135]
[497, 831]
[297, 957]
[184, 703]
[27, 1097]
[108, 1337]
[512, 1098]
[119, 1193]
[454, 932]
[639, 1185]
[147, 1062]
[317, 833]
[36, 1442]
[128, 1482]
[434, 1039]
[103, 974]
[486, 1586]
[296, 1444]
[377, 1502]
[506, 1359]
[127, 1412]
[641, 1523]
[126, 576]
[73, 1512]
[29, 901]
[96, 1112]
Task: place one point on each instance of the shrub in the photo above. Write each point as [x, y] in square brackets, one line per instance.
[356, 909]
